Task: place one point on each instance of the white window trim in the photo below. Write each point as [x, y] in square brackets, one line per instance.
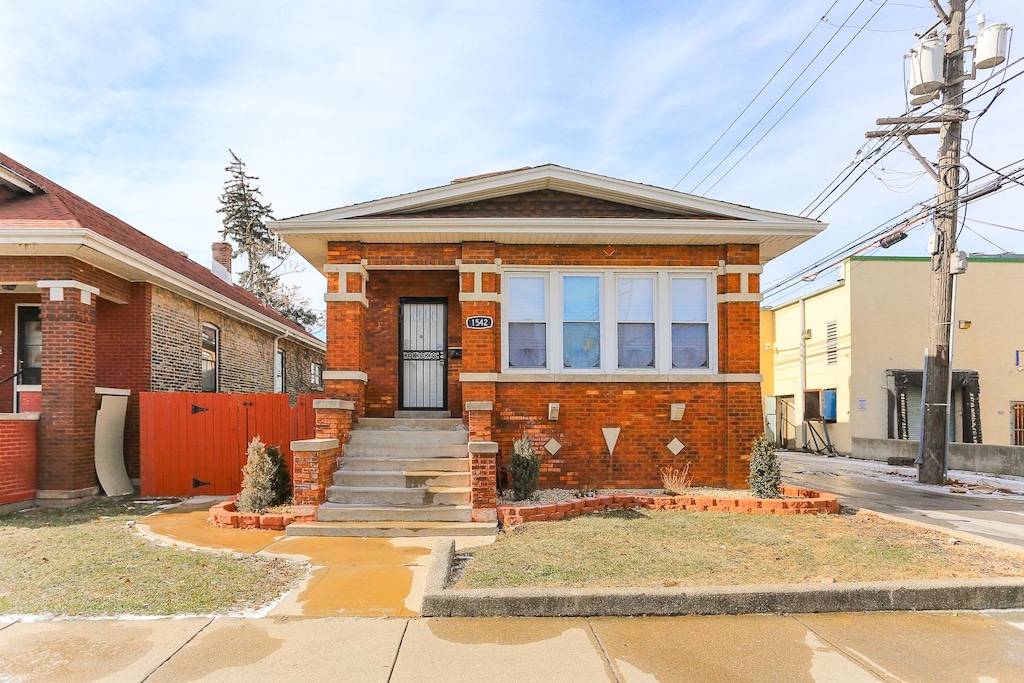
[216, 357]
[609, 320]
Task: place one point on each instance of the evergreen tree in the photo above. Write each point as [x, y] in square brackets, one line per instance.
[245, 216]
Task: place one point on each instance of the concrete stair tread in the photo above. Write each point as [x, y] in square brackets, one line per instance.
[403, 508]
[391, 529]
[388, 489]
[408, 424]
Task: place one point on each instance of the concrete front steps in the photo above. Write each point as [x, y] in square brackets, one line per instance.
[400, 477]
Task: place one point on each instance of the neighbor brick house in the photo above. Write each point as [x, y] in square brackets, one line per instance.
[614, 323]
[90, 305]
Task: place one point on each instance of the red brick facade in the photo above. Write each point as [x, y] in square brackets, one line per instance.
[18, 450]
[722, 415]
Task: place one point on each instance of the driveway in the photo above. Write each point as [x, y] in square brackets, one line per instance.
[980, 509]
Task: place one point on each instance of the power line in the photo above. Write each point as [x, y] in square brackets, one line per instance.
[824, 18]
[779, 99]
[795, 102]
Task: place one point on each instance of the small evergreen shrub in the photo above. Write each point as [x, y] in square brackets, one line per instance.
[257, 479]
[525, 469]
[282, 484]
[765, 473]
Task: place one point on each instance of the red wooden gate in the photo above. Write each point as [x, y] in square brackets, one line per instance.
[194, 444]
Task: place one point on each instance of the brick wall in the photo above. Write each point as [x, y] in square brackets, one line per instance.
[123, 357]
[35, 268]
[298, 375]
[384, 290]
[246, 359]
[546, 204]
[721, 418]
[18, 447]
[713, 433]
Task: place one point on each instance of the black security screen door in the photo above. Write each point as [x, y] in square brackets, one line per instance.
[423, 377]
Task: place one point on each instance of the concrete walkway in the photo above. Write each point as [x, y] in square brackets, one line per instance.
[847, 648]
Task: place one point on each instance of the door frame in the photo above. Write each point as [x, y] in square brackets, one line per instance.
[402, 301]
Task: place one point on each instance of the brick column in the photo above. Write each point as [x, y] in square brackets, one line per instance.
[345, 375]
[483, 465]
[739, 355]
[67, 468]
[313, 465]
[479, 296]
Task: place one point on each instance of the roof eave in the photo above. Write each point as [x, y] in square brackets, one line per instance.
[110, 256]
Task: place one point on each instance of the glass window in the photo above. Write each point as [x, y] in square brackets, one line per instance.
[279, 372]
[581, 321]
[690, 323]
[210, 352]
[316, 374]
[527, 321]
[635, 298]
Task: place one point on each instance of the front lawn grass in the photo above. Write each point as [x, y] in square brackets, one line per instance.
[87, 560]
[645, 548]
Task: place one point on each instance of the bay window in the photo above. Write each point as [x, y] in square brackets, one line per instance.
[625, 321]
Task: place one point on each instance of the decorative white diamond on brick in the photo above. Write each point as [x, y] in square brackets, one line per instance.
[552, 446]
[675, 445]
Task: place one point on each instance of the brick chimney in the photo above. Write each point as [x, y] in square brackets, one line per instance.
[222, 256]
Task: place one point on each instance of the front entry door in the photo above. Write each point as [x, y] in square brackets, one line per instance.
[423, 356]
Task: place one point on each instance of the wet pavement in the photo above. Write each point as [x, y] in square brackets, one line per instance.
[892, 490]
[847, 648]
[376, 577]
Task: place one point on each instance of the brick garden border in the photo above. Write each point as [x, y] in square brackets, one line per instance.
[226, 516]
[799, 501]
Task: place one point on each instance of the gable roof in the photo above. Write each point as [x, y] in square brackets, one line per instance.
[39, 217]
[619, 212]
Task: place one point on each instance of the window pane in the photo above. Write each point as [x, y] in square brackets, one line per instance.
[527, 345]
[689, 299]
[581, 298]
[526, 298]
[689, 345]
[636, 299]
[581, 345]
[636, 345]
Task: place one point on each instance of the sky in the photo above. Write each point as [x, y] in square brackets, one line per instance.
[134, 105]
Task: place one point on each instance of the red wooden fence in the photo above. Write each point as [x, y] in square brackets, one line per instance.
[194, 444]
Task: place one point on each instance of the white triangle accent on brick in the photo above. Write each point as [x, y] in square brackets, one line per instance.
[611, 437]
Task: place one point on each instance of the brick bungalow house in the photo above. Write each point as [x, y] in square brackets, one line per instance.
[614, 323]
[88, 305]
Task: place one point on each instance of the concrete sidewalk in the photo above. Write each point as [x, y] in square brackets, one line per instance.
[935, 646]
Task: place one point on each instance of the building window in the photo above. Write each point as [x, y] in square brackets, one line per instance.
[279, 378]
[831, 344]
[635, 315]
[612, 321]
[316, 374]
[690, 323]
[581, 321]
[210, 354]
[527, 321]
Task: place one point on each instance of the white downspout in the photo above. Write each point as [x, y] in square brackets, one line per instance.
[803, 373]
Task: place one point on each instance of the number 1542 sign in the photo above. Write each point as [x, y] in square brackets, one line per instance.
[479, 322]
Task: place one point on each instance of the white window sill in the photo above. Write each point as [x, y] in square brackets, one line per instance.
[624, 377]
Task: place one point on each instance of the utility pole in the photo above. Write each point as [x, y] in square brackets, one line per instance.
[935, 420]
[936, 414]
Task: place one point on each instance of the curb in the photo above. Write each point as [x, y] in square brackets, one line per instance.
[902, 596]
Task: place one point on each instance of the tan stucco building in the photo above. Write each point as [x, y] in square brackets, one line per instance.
[856, 349]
